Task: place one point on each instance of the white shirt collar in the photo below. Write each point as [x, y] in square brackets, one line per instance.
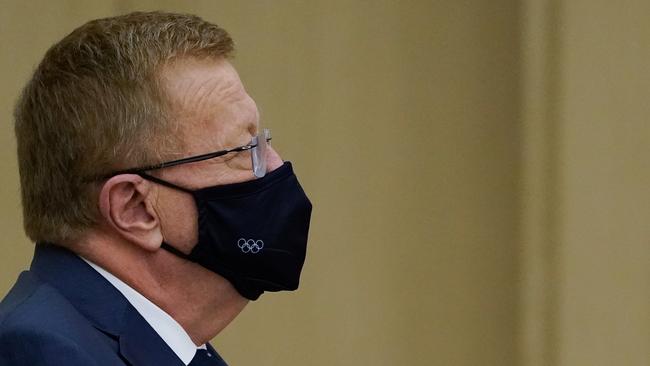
[167, 328]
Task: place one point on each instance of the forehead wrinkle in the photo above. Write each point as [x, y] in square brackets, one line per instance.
[201, 95]
[210, 97]
[192, 83]
[207, 94]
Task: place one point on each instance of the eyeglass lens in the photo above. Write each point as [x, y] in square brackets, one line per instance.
[258, 153]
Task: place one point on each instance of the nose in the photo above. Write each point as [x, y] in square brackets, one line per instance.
[273, 159]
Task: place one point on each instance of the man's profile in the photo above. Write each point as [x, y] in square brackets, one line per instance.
[158, 207]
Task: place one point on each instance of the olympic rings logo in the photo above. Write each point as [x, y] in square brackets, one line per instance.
[250, 245]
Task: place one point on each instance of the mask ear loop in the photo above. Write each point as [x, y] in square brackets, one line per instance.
[174, 251]
[163, 182]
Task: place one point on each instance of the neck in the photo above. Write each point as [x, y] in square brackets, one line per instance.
[201, 301]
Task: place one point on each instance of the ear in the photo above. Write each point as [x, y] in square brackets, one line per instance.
[125, 202]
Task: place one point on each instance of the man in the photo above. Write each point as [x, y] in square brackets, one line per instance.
[158, 206]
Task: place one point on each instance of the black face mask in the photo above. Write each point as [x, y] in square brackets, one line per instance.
[252, 233]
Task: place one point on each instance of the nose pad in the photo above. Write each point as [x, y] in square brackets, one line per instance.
[273, 159]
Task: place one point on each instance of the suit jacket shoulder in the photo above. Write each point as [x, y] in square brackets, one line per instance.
[62, 312]
[38, 326]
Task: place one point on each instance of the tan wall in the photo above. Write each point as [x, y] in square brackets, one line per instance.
[605, 268]
[586, 173]
[445, 146]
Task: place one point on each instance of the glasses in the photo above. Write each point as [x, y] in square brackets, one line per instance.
[257, 146]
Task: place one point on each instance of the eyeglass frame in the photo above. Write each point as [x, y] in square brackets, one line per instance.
[192, 159]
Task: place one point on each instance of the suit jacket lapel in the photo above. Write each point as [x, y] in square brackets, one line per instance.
[103, 305]
[141, 345]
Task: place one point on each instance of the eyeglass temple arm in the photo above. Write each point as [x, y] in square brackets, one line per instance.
[191, 159]
[188, 160]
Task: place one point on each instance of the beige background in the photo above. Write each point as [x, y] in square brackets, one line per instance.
[480, 173]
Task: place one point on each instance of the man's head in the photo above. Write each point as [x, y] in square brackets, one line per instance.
[105, 98]
[136, 134]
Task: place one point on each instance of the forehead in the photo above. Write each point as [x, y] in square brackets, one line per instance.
[208, 99]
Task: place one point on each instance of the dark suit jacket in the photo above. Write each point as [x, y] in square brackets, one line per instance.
[62, 312]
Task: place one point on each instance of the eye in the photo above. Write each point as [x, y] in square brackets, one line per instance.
[241, 160]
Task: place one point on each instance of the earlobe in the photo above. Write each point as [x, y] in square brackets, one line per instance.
[125, 203]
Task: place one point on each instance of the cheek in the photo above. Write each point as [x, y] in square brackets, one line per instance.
[179, 221]
[273, 160]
